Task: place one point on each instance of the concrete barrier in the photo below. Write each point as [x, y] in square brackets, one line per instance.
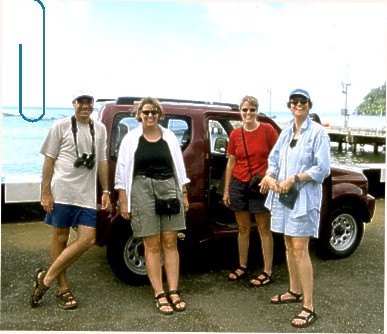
[20, 196]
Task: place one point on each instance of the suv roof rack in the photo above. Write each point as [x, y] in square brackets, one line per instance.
[104, 100]
[131, 100]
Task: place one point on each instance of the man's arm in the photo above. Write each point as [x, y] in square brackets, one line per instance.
[103, 176]
[47, 201]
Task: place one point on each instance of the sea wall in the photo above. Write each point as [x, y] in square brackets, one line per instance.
[20, 199]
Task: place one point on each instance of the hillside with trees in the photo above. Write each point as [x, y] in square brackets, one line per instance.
[374, 103]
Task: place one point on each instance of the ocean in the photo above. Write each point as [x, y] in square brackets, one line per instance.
[22, 140]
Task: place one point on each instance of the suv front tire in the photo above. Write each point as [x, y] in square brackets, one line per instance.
[125, 255]
[345, 233]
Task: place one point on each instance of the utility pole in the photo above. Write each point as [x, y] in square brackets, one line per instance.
[344, 111]
[269, 91]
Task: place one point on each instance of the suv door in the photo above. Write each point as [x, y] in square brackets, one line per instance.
[219, 130]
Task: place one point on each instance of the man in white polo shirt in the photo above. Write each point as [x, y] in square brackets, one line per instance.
[75, 153]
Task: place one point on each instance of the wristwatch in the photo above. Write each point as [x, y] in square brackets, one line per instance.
[106, 192]
[296, 178]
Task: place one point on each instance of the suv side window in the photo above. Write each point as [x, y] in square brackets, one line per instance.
[123, 123]
[218, 133]
[180, 127]
[219, 130]
[218, 137]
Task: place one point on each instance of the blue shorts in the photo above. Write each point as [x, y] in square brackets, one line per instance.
[242, 200]
[65, 215]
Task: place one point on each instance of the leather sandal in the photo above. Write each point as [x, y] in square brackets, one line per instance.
[161, 306]
[177, 303]
[237, 276]
[262, 279]
[39, 287]
[66, 300]
[297, 298]
[307, 320]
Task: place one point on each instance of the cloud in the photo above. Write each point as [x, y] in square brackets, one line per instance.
[313, 45]
[201, 50]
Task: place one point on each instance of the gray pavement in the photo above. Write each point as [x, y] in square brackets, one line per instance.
[348, 292]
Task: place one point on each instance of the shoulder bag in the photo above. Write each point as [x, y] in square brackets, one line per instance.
[168, 206]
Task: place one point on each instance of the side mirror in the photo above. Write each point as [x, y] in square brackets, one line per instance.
[220, 145]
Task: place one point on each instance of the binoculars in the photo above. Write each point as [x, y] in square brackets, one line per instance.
[86, 160]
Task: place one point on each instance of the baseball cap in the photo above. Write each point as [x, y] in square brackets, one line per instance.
[80, 96]
[300, 91]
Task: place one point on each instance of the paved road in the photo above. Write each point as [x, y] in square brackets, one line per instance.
[349, 292]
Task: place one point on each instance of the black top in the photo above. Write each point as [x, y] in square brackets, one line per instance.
[153, 160]
[293, 143]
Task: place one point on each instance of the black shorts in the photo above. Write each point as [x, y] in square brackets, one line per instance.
[242, 200]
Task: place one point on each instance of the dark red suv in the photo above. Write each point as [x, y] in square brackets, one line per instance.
[203, 129]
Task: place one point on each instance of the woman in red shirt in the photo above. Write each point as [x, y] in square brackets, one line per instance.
[248, 150]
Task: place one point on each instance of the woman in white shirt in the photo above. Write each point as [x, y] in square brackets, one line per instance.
[150, 167]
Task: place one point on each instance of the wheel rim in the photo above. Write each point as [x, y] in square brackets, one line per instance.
[134, 256]
[344, 232]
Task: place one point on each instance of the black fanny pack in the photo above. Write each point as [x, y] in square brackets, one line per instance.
[170, 206]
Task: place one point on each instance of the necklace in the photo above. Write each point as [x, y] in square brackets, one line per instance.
[152, 140]
[250, 130]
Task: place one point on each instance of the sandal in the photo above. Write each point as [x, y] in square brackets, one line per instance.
[262, 279]
[66, 300]
[39, 287]
[311, 317]
[177, 303]
[297, 298]
[160, 306]
[237, 276]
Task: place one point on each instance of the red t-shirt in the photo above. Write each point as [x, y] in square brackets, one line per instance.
[259, 144]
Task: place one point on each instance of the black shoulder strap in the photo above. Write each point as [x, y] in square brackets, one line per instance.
[74, 129]
[92, 133]
[245, 147]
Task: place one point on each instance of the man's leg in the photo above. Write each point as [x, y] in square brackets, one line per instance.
[85, 240]
[59, 241]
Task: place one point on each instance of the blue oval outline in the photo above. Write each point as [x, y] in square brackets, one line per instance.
[44, 73]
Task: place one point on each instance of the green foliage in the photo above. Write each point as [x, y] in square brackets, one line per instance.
[374, 103]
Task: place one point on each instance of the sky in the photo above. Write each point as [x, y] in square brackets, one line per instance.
[213, 51]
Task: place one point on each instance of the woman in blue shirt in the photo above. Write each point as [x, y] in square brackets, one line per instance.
[300, 159]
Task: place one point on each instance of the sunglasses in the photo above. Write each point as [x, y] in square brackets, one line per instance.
[301, 100]
[147, 112]
[249, 109]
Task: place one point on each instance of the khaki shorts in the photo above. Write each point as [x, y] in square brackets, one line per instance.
[145, 222]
